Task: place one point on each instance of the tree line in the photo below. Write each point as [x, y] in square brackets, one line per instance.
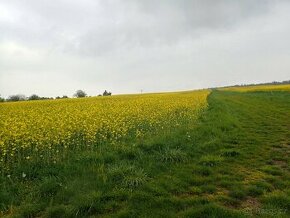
[259, 84]
[20, 97]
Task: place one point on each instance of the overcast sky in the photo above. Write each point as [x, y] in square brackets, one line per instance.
[52, 48]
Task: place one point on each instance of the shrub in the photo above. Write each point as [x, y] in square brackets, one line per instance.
[18, 97]
[80, 94]
[34, 97]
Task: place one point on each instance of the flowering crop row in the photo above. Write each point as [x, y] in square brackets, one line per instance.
[46, 130]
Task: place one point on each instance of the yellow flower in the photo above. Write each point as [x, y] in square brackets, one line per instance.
[47, 129]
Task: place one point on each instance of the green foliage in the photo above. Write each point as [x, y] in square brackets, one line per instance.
[107, 93]
[18, 97]
[33, 97]
[80, 94]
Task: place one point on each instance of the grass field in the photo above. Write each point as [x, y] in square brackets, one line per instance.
[280, 87]
[226, 154]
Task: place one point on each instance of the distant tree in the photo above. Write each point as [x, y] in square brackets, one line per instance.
[1, 99]
[45, 98]
[18, 97]
[57, 97]
[64, 96]
[286, 82]
[34, 97]
[107, 93]
[80, 94]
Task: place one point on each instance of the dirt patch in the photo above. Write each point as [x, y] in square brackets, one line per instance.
[250, 202]
[222, 191]
[250, 206]
[185, 195]
[252, 175]
[281, 163]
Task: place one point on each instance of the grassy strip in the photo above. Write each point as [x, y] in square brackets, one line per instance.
[233, 163]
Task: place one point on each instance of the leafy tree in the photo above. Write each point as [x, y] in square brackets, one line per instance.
[1, 99]
[18, 97]
[34, 97]
[107, 93]
[80, 94]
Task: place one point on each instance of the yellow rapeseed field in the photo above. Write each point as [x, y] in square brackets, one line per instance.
[46, 130]
[282, 87]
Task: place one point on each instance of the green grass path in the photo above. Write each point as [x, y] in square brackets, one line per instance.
[235, 162]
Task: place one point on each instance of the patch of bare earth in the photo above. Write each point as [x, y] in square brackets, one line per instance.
[251, 202]
[281, 163]
[250, 206]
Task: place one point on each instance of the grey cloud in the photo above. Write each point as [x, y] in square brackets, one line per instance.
[146, 23]
[97, 27]
[128, 45]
